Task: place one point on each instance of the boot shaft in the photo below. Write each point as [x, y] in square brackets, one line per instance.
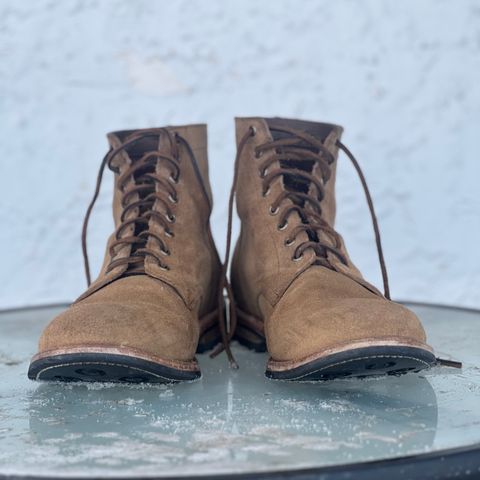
[161, 207]
[273, 129]
[158, 141]
[285, 185]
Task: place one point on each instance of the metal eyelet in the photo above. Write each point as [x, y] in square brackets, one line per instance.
[266, 192]
[169, 234]
[282, 227]
[165, 252]
[173, 179]
[170, 217]
[273, 211]
[164, 267]
[288, 242]
[297, 259]
[172, 199]
[258, 154]
[264, 173]
[253, 130]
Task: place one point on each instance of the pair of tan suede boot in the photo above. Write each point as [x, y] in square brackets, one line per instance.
[293, 290]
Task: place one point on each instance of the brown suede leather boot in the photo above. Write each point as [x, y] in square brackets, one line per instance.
[293, 282]
[154, 303]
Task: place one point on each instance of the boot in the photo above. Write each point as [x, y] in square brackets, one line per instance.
[154, 303]
[296, 291]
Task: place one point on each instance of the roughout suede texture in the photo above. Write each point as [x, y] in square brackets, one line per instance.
[306, 308]
[157, 312]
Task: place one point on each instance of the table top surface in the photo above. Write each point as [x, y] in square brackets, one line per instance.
[233, 421]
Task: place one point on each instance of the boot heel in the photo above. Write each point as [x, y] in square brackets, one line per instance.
[249, 332]
[210, 334]
[209, 340]
[250, 339]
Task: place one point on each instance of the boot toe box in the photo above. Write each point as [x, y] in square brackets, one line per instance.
[165, 328]
[305, 323]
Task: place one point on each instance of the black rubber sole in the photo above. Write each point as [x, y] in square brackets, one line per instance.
[360, 363]
[105, 367]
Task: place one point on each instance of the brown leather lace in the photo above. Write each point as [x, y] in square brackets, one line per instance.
[145, 179]
[225, 284]
[307, 206]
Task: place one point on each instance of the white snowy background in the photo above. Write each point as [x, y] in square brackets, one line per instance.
[403, 78]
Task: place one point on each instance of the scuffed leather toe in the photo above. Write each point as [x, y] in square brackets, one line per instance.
[132, 312]
[325, 309]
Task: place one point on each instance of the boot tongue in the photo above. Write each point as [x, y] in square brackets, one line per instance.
[140, 147]
[135, 152]
[320, 131]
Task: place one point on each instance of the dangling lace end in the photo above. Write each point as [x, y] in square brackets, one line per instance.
[87, 216]
[448, 363]
[233, 363]
[231, 359]
[231, 322]
[373, 216]
[223, 320]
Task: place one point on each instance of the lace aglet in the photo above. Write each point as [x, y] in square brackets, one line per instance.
[448, 363]
[233, 364]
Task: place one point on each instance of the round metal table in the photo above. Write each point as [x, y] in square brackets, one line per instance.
[240, 424]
